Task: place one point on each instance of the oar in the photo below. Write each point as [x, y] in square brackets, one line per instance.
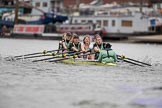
[51, 54]
[43, 52]
[61, 55]
[139, 62]
[127, 61]
[35, 56]
[61, 59]
[47, 58]
[71, 56]
[134, 60]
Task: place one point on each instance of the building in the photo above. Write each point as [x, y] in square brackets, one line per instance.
[9, 5]
[47, 6]
[73, 3]
[67, 6]
[157, 5]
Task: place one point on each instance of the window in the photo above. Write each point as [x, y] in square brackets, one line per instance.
[66, 28]
[72, 28]
[37, 4]
[83, 21]
[75, 21]
[158, 6]
[90, 21]
[105, 23]
[98, 22]
[79, 28]
[126, 23]
[113, 23]
[44, 4]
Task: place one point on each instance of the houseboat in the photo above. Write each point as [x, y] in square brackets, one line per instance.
[80, 28]
[53, 31]
[117, 25]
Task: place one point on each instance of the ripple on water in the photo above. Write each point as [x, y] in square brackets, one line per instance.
[155, 101]
[94, 104]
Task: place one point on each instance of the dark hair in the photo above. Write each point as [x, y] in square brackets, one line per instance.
[97, 36]
[75, 36]
[107, 45]
[68, 34]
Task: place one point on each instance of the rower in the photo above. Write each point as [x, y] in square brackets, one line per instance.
[85, 48]
[107, 55]
[98, 45]
[75, 45]
[65, 43]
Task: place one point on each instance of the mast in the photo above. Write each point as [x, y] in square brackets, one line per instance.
[16, 11]
[77, 4]
[141, 6]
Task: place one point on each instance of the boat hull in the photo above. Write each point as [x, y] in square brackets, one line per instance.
[86, 62]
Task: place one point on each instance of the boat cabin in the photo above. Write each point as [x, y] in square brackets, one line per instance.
[116, 24]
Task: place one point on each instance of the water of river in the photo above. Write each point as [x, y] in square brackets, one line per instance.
[24, 84]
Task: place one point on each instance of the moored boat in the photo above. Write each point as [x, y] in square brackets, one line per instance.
[79, 28]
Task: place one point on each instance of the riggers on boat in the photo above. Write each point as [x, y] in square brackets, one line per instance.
[80, 61]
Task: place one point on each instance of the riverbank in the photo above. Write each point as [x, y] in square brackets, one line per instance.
[138, 39]
[129, 39]
[146, 39]
[44, 36]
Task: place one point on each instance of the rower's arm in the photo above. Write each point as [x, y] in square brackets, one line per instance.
[82, 48]
[75, 49]
[96, 49]
[64, 45]
[99, 57]
[115, 57]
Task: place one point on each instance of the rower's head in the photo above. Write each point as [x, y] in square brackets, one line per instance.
[86, 39]
[75, 38]
[68, 35]
[64, 36]
[98, 39]
[107, 46]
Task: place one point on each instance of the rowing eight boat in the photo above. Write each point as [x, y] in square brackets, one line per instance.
[79, 61]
